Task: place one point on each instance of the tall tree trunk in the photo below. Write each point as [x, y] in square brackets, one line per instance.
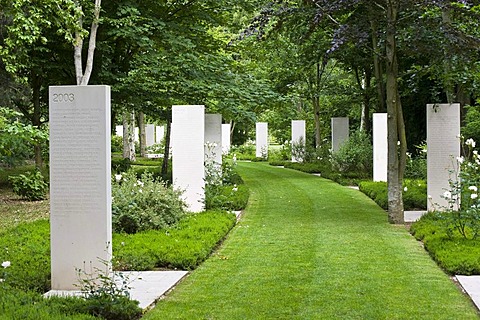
[318, 125]
[364, 83]
[128, 120]
[81, 76]
[377, 64]
[447, 67]
[36, 119]
[396, 131]
[142, 134]
[166, 151]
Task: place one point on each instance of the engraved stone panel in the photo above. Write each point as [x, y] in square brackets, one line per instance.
[213, 138]
[298, 137]
[150, 135]
[188, 137]
[340, 132]
[226, 127]
[80, 189]
[443, 148]
[261, 140]
[380, 147]
[159, 134]
[119, 131]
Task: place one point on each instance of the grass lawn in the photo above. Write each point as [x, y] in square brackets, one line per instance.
[308, 248]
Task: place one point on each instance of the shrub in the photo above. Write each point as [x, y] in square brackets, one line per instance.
[454, 253]
[471, 130]
[414, 193]
[228, 198]
[120, 165]
[117, 144]
[182, 246]
[356, 155]
[416, 166]
[30, 186]
[143, 204]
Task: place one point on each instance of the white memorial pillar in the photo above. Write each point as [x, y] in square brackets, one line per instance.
[188, 155]
[380, 147]
[213, 138]
[159, 134]
[298, 136]
[261, 140]
[340, 132]
[149, 135]
[226, 127]
[80, 188]
[443, 148]
[119, 131]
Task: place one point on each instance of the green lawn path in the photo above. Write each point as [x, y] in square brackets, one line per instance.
[308, 248]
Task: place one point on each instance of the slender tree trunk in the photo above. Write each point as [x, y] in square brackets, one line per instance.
[377, 64]
[84, 77]
[142, 134]
[166, 151]
[447, 67]
[396, 129]
[128, 136]
[36, 119]
[364, 86]
[316, 116]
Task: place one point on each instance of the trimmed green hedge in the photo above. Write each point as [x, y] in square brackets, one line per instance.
[414, 194]
[456, 255]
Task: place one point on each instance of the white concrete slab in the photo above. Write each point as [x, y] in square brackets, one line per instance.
[146, 286]
[471, 284]
[412, 216]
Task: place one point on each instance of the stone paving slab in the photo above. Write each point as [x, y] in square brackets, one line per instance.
[412, 216]
[471, 284]
[146, 286]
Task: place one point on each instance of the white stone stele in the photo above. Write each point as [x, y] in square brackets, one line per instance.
[226, 143]
[380, 147]
[119, 131]
[443, 148]
[298, 135]
[213, 138]
[340, 132]
[149, 135]
[261, 139]
[159, 134]
[188, 137]
[137, 134]
[80, 182]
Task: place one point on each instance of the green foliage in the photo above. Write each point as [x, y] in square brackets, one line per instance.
[117, 144]
[120, 165]
[229, 198]
[17, 138]
[355, 155]
[27, 247]
[416, 166]
[143, 204]
[471, 130]
[244, 151]
[454, 253]
[414, 193]
[30, 186]
[183, 246]
[107, 296]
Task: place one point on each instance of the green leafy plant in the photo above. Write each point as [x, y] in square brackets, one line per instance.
[107, 295]
[30, 186]
[356, 155]
[414, 193]
[142, 204]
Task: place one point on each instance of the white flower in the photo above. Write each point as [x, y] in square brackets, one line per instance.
[474, 196]
[473, 188]
[447, 195]
[6, 264]
[140, 183]
[430, 197]
[398, 143]
[470, 142]
[405, 189]
[235, 189]
[122, 243]
[141, 191]
[460, 159]
[118, 177]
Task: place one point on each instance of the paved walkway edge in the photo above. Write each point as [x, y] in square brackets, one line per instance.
[471, 284]
[145, 286]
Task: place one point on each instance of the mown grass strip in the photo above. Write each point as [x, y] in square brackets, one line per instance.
[308, 248]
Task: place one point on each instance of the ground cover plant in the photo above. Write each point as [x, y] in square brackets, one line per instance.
[307, 248]
[453, 252]
[414, 193]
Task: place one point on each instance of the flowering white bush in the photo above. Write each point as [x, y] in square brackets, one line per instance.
[463, 211]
